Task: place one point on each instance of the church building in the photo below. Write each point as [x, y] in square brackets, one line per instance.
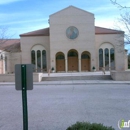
[71, 43]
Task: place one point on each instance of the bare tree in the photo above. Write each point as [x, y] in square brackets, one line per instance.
[115, 2]
[124, 20]
[6, 43]
[3, 35]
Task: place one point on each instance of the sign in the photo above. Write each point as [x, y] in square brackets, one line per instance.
[19, 70]
[24, 82]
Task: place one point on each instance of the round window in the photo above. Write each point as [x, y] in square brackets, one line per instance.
[72, 32]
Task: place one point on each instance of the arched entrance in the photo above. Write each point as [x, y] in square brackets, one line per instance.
[85, 61]
[60, 62]
[72, 60]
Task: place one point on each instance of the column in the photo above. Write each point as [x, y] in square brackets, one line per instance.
[79, 65]
[66, 65]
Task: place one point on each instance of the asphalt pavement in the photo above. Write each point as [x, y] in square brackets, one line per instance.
[55, 107]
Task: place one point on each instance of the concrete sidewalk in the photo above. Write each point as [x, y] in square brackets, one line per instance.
[76, 74]
[73, 82]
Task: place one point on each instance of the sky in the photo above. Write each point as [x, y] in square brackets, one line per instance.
[21, 16]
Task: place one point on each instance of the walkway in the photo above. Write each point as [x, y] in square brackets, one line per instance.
[75, 74]
[73, 82]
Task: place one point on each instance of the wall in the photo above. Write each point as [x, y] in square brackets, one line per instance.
[1, 66]
[120, 75]
[83, 21]
[37, 77]
[118, 42]
[12, 60]
[28, 42]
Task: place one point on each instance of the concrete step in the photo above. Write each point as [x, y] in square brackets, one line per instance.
[87, 77]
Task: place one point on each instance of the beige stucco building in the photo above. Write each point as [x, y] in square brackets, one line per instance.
[72, 42]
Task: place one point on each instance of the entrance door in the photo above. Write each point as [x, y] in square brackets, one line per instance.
[85, 62]
[60, 62]
[85, 65]
[72, 63]
[60, 65]
[72, 60]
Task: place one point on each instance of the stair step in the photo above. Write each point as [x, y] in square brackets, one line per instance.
[89, 77]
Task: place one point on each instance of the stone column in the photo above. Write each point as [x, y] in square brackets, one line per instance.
[66, 65]
[79, 65]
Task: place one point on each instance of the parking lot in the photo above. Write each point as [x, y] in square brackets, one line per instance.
[55, 107]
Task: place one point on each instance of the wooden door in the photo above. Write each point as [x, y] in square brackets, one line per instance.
[60, 65]
[72, 63]
[85, 65]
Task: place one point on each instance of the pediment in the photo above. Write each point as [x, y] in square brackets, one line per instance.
[71, 10]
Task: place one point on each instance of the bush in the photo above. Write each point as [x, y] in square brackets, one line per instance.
[93, 68]
[88, 126]
[52, 68]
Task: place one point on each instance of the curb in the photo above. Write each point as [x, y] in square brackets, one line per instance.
[92, 83]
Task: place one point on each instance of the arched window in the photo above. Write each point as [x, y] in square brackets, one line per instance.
[112, 58]
[39, 61]
[44, 64]
[5, 63]
[106, 56]
[60, 56]
[106, 59]
[72, 54]
[100, 58]
[33, 57]
[39, 58]
[2, 57]
[85, 56]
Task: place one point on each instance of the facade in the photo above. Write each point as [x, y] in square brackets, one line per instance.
[71, 43]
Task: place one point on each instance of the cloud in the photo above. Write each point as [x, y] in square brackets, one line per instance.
[25, 21]
[8, 1]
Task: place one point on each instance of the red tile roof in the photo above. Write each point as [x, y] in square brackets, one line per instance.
[41, 32]
[13, 45]
[10, 45]
[45, 32]
[100, 30]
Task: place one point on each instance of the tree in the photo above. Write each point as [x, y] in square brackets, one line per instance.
[3, 36]
[124, 20]
[7, 45]
[118, 4]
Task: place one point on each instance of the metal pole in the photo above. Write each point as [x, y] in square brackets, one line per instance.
[24, 98]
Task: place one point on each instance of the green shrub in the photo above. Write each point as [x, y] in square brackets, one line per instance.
[93, 67]
[52, 68]
[88, 126]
